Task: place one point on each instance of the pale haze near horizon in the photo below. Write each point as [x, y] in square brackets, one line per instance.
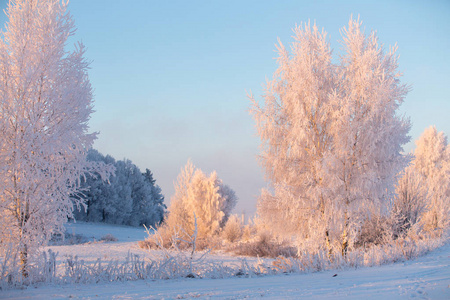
[171, 77]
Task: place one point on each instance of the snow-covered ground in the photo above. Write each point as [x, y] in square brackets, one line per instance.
[427, 277]
[127, 238]
[95, 231]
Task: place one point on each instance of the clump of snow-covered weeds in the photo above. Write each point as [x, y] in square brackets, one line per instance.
[263, 245]
[108, 238]
[67, 239]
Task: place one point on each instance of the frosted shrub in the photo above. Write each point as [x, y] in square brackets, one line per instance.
[264, 245]
[41, 268]
[410, 201]
[165, 239]
[108, 238]
[67, 239]
[186, 261]
[372, 231]
[248, 232]
[232, 231]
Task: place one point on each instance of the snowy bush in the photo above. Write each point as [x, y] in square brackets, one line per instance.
[410, 203]
[42, 268]
[248, 232]
[68, 239]
[264, 245]
[232, 231]
[165, 239]
[108, 238]
[373, 231]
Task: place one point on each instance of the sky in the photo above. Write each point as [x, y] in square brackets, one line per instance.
[171, 78]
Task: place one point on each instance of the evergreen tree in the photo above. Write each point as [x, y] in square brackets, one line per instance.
[156, 206]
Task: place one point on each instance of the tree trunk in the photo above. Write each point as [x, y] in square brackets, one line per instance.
[327, 233]
[88, 210]
[23, 254]
[24, 260]
[345, 237]
[327, 241]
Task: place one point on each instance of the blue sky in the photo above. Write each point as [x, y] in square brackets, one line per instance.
[171, 77]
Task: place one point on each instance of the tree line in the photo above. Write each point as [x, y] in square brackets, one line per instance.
[129, 197]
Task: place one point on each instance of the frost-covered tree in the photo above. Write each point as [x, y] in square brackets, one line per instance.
[369, 134]
[331, 135]
[144, 207]
[432, 161]
[202, 197]
[97, 192]
[294, 127]
[229, 202]
[46, 102]
[121, 202]
[155, 209]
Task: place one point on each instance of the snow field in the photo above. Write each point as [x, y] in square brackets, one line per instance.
[427, 277]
